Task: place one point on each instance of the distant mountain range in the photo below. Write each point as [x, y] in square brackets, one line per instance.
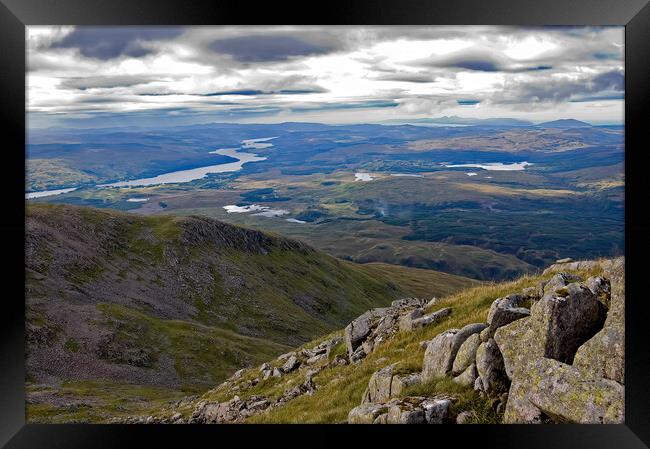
[499, 121]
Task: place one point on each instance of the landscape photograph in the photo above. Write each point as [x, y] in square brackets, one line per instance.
[325, 224]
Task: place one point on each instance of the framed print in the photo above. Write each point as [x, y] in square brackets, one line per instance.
[379, 216]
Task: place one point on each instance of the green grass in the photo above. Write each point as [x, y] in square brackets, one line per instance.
[340, 388]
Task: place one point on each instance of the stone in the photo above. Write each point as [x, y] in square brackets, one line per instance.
[291, 364]
[565, 260]
[466, 355]
[401, 382]
[286, 356]
[465, 417]
[368, 346]
[467, 377]
[379, 385]
[406, 320]
[266, 374]
[564, 394]
[506, 310]
[558, 281]
[431, 318]
[265, 367]
[556, 328]
[381, 419]
[491, 369]
[438, 356]
[604, 354]
[277, 372]
[406, 411]
[432, 302]
[486, 334]
[436, 411]
[600, 287]
[366, 413]
[478, 384]
[357, 331]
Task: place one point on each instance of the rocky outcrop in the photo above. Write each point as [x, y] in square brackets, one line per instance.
[441, 352]
[408, 410]
[491, 369]
[385, 384]
[363, 334]
[566, 365]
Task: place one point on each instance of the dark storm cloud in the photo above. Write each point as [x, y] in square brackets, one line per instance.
[558, 90]
[479, 60]
[112, 42]
[267, 48]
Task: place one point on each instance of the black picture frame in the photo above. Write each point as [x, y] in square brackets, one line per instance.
[16, 14]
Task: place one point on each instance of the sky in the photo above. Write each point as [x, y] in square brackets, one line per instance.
[119, 76]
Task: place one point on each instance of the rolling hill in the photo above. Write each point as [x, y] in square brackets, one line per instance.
[161, 305]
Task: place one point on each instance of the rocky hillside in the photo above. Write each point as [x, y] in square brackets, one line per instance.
[124, 307]
[543, 349]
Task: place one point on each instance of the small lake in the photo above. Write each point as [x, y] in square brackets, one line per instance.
[406, 175]
[363, 177]
[44, 193]
[494, 166]
[262, 211]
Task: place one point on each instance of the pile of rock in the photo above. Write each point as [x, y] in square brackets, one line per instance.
[551, 353]
[408, 410]
[364, 333]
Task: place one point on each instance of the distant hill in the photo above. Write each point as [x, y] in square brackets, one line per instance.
[455, 120]
[180, 302]
[564, 123]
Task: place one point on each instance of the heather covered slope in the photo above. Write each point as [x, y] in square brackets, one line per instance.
[153, 306]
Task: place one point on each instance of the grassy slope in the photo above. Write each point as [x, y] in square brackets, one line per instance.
[118, 262]
[341, 388]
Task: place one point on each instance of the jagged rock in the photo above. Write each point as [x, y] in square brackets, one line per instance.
[478, 384]
[565, 260]
[600, 287]
[406, 411]
[266, 374]
[563, 393]
[366, 413]
[357, 331]
[465, 417]
[381, 419]
[504, 311]
[265, 367]
[431, 318]
[277, 372]
[406, 320]
[438, 356]
[604, 354]
[556, 328]
[432, 302]
[491, 369]
[441, 351]
[286, 356]
[466, 355]
[291, 364]
[560, 280]
[436, 411]
[339, 360]
[467, 377]
[357, 355]
[406, 302]
[401, 382]
[379, 385]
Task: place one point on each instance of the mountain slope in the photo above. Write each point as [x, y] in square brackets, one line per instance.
[181, 302]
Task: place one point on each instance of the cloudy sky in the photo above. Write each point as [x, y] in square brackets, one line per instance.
[112, 76]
